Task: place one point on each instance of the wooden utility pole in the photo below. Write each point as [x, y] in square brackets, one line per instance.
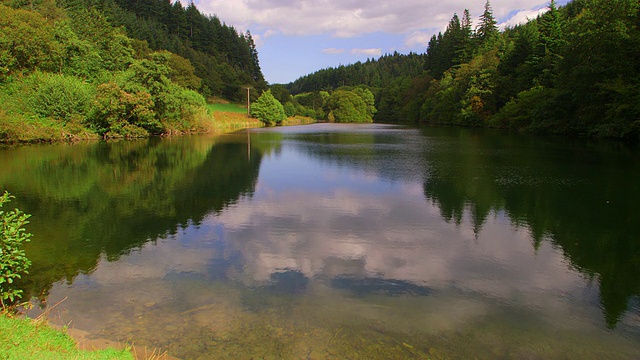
[248, 102]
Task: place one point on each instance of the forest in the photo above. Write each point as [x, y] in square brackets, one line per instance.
[72, 69]
[573, 70]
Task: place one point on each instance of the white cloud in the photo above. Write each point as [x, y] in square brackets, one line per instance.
[332, 51]
[368, 52]
[417, 38]
[522, 17]
[269, 33]
[260, 38]
[350, 18]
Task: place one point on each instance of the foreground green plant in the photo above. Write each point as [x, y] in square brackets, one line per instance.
[13, 260]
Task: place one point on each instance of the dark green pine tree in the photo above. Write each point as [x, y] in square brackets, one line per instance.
[256, 73]
[551, 43]
[449, 49]
[197, 25]
[551, 29]
[487, 29]
[465, 50]
[178, 25]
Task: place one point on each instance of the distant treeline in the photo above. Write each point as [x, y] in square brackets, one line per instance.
[573, 70]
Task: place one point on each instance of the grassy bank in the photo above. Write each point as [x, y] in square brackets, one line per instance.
[219, 106]
[226, 121]
[230, 117]
[20, 123]
[22, 338]
[298, 120]
[19, 129]
[219, 118]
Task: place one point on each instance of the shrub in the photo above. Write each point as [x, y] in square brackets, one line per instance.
[179, 105]
[26, 41]
[532, 110]
[62, 97]
[174, 107]
[268, 109]
[346, 106]
[13, 260]
[289, 109]
[118, 113]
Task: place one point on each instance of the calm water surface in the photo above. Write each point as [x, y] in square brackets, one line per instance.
[339, 242]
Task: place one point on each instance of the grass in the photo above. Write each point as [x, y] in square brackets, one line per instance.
[225, 121]
[22, 338]
[229, 107]
[230, 117]
[298, 120]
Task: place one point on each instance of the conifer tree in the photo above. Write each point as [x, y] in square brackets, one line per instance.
[463, 54]
[487, 29]
[551, 29]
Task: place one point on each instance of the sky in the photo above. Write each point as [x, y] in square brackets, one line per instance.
[298, 37]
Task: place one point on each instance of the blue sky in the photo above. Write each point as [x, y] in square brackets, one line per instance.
[297, 37]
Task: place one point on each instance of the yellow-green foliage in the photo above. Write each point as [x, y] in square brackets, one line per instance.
[268, 109]
[61, 97]
[224, 121]
[26, 42]
[346, 106]
[298, 120]
[28, 339]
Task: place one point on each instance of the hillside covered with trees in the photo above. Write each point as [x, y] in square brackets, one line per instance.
[573, 70]
[111, 68]
[225, 59]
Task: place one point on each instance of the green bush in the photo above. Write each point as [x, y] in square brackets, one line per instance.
[268, 109]
[118, 113]
[61, 97]
[532, 110]
[13, 260]
[171, 107]
[26, 42]
[289, 109]
[346, 106]
[179, 105]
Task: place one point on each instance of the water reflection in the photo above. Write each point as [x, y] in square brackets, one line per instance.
[110, 198]
[318, 243]
[579, 196]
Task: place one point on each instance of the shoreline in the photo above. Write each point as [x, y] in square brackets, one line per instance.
[215, 123]
[218, 122]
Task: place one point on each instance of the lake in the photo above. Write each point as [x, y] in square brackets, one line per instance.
[333, 241]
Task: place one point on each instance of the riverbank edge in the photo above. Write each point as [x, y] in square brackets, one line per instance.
[25, 338]
[218, 122]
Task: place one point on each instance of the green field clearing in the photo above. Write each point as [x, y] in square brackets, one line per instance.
[239, 108]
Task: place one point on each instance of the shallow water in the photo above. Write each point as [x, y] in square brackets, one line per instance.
[339, 241]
